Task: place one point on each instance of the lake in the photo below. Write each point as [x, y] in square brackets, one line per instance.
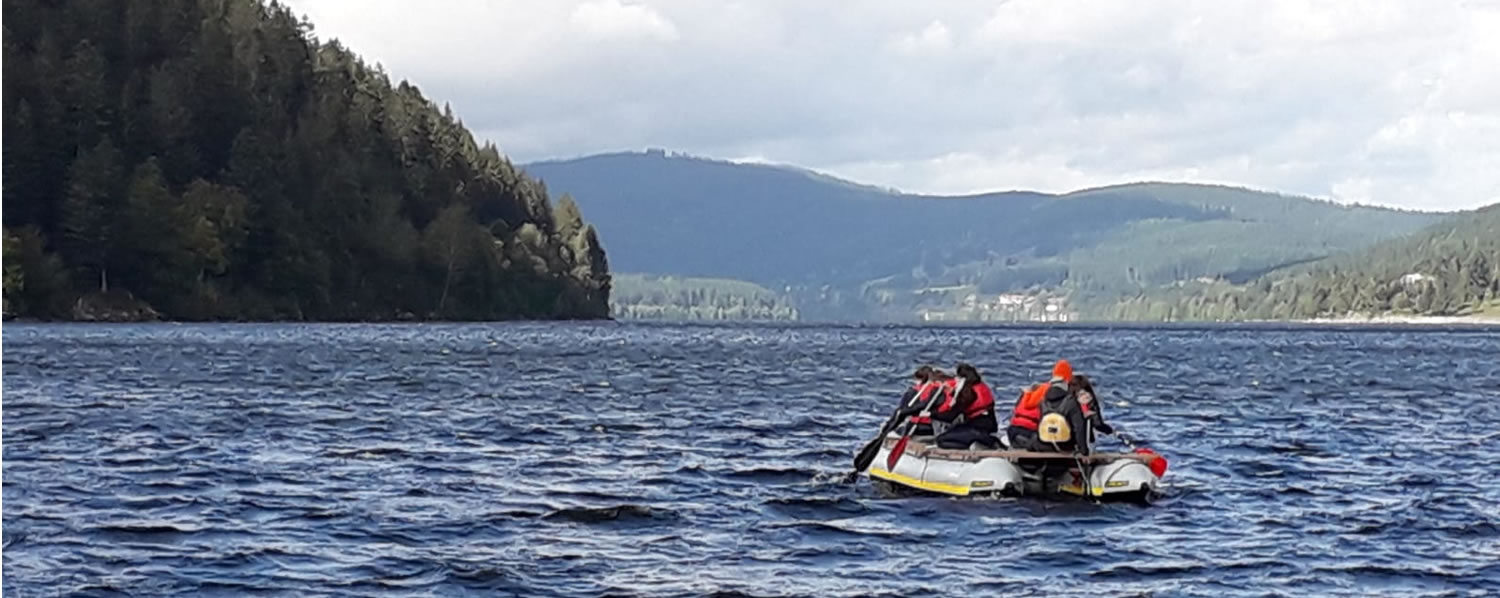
[633, 459]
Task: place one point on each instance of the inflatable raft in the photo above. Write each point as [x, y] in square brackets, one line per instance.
[1104, 476]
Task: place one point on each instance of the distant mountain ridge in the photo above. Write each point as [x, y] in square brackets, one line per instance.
[650, 205]
[852, 251]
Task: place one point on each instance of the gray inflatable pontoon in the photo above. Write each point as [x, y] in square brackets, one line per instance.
[955, 472]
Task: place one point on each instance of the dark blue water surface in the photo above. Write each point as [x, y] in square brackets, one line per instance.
[651, 460]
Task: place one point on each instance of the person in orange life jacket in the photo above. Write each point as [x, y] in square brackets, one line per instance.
[1027, 413]
[972, 412]
[1063, 425]
[938, 387]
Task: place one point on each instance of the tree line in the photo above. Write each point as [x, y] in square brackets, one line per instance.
[214, 160]
[671, 298]
[1449, 269]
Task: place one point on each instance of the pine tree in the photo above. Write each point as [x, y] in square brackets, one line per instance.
[23, 192]
[15, 279]
[91, 208]
[569, 219]
[215, 226]
[84, 83]
[158, 261]
[453, 243]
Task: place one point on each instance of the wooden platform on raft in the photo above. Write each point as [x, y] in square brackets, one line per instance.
[917, 448]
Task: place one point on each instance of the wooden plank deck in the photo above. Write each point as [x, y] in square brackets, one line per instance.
[920, 449]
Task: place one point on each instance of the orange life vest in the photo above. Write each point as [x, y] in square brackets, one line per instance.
[1028, 411]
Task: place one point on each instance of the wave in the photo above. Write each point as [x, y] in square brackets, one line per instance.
[767, 474]
[145, 527]
[396, 473]
[806, 507]
[618, 513]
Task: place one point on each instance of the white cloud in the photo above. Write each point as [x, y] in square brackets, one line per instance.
[611, 19]
[1381, 101]
[932, 39]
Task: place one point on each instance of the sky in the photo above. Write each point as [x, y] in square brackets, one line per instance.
[1379, 102]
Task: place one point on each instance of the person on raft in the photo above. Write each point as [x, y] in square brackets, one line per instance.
[1027, 413]
[919, 380]
[1093, 409]
[931, 384]
[970, 411]
[1054, 416]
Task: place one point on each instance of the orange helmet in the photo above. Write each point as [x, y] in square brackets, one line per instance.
[1062, 371]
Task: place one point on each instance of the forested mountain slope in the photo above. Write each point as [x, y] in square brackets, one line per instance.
[849, 251]
[1449, 269]
[212, 159]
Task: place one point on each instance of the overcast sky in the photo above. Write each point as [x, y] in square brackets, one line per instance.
[1393, 103]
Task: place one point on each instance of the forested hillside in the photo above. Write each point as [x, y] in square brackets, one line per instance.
[1449, 269]
[778, 226]
[212, 159]
[644, 297]
[853, 252]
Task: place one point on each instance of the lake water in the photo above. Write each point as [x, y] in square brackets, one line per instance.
[618, 459]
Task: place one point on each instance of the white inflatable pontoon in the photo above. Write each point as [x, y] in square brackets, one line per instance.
[1110, 476]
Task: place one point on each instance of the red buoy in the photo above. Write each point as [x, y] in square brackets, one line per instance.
[1158, 465]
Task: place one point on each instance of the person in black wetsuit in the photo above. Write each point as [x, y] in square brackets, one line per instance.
[1093, 409]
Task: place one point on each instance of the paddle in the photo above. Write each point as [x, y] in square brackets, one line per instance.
[896, 451]
[867, 454]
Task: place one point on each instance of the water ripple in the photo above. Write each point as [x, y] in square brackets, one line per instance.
[607, 459]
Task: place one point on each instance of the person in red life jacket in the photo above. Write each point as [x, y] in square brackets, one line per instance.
[919, 380]
[946, 385]
[1027, 414]
[971, 410]
[937, 387]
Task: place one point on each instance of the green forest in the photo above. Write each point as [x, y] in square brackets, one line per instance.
[858, 253]
[1448, 269]
[212, 160]
[644, 297]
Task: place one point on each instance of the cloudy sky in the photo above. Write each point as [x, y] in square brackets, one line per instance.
[1383, 102]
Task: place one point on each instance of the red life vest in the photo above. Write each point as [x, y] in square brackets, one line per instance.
[927, 389]
[924, 390]
[1028, 411]
[984, 402]
[949, 386]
